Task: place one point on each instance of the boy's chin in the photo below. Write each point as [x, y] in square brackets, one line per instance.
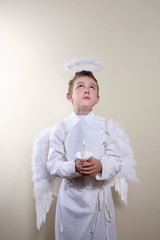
[87, 106]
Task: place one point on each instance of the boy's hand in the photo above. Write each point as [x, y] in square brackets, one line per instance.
[90, 167]
[78, 165]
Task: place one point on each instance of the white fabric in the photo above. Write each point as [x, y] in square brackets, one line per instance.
[66, 137]
[79, 196]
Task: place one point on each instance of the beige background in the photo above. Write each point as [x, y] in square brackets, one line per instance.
[36, 39]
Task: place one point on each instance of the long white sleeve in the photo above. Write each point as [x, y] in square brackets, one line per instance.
[111, 162]
[118, 143]
[57, 165]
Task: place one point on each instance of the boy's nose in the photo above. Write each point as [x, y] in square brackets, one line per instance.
[86, 90]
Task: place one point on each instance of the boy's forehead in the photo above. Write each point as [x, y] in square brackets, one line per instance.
[85, 79]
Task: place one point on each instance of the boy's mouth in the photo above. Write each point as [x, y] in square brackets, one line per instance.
[86, 97]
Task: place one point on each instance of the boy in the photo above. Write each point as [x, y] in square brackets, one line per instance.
[84, 206]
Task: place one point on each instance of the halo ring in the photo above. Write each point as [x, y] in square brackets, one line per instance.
[87, 64]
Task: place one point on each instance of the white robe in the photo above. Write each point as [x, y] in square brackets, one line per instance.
[84, 207]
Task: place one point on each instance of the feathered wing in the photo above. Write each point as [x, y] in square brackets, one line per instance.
[46, 186]
[127, 173]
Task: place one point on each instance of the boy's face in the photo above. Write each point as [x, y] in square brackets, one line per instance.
[84, 95]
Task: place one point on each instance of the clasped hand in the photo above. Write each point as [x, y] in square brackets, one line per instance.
[89, 167]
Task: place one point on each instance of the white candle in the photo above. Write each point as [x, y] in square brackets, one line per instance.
[83, 153]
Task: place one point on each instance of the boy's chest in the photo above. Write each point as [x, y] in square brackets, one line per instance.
[92, 133]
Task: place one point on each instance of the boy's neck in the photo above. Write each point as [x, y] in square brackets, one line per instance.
[82, 111]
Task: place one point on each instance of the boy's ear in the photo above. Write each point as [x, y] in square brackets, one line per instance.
[69, 97]
[97, 99]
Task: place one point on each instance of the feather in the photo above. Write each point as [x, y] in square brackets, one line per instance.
[127, 173]
[46, 186]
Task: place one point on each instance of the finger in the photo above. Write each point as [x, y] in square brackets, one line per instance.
[88, 168]
[88, 164]
[88, 173]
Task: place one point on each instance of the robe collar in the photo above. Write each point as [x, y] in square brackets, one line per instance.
[87, 117]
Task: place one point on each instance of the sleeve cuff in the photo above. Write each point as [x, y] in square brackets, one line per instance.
[72, 170]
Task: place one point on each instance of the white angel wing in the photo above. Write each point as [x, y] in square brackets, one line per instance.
[127, 173]
[127, 156]
[46, 187]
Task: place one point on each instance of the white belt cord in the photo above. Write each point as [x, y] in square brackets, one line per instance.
[108, 216]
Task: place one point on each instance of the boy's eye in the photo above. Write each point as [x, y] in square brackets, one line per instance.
[80, 86]
[92, 87]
